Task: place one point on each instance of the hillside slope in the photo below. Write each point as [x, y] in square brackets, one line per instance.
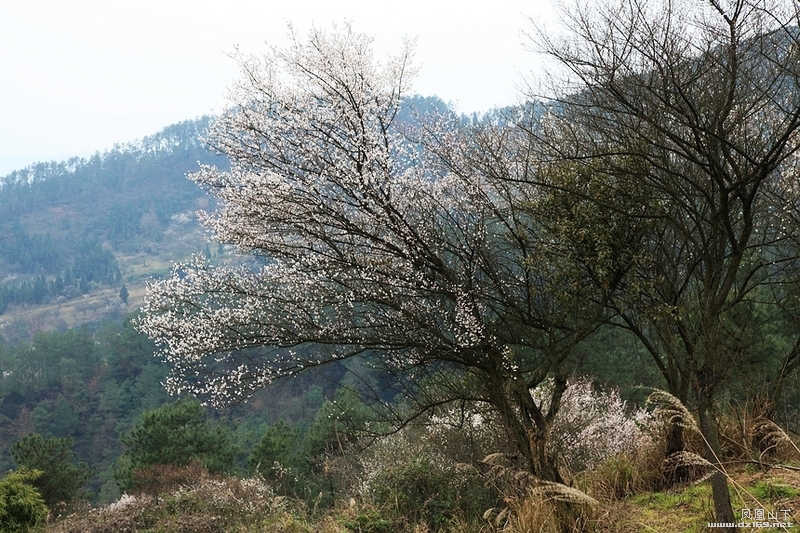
[72, 233]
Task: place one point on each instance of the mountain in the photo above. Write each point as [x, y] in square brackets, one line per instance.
[73, 233]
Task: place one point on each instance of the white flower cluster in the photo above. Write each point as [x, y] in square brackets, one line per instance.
[248, 496]
[593, 425]
[124, 501]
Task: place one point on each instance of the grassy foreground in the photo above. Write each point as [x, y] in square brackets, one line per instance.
[690, 509]
[421, 480]
[224, 504]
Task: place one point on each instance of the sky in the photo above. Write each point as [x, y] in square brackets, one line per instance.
[80, 76]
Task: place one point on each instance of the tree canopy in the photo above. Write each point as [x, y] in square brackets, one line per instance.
[175, 434]
[62, 478]
[414, 244]
[683, 118]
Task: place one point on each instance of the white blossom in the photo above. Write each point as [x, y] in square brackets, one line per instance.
[365, 236]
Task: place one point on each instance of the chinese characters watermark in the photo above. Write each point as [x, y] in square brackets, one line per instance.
[760, 518]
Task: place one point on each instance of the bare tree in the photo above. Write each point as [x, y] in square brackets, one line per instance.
[688, 113]
[421, 248]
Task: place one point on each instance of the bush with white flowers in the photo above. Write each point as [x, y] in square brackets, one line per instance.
[593, 425]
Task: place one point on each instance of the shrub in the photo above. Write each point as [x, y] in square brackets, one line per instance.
[419, 491]
[594, 425]
[417, 476]
[163, 479]
[208, 505]
[367, 520]
[22, 508]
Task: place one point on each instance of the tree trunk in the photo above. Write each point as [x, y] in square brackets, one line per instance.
[527, 426]
[545, 467]
[675, 443]
[723, 511]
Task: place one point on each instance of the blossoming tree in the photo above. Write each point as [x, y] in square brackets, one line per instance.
[420, 248]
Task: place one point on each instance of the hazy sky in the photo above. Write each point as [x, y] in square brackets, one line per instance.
[82, 75]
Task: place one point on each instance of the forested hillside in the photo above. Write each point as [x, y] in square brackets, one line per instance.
[91, 385]
[73, 233]
[78, 240]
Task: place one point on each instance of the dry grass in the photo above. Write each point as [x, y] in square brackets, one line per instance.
[208, 506]
[552, 508]
[534, 505]
[625, 475]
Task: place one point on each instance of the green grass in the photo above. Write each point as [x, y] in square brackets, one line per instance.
[766, 491]
[687, 511]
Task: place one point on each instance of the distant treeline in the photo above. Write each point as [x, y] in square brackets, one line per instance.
[114, 196]
[92, 265]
